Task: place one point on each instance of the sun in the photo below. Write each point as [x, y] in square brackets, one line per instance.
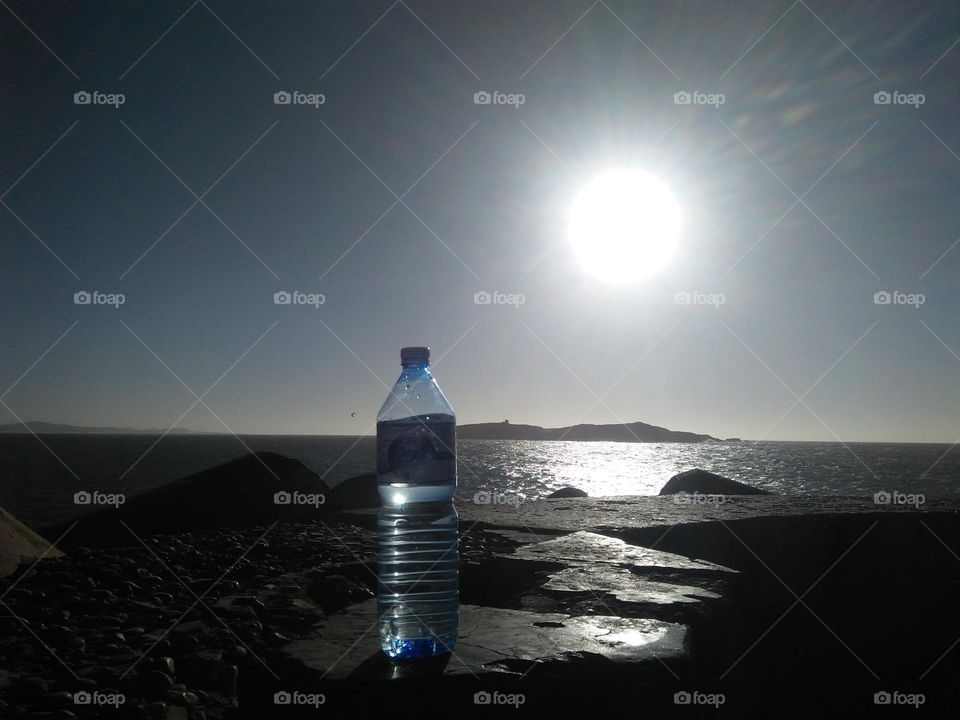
[624, 225]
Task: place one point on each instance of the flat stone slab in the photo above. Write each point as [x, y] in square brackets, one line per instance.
[625, 586]
[588, 547]
[602, 565]
[498, 642]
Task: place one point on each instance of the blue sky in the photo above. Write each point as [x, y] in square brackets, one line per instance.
[398, 198]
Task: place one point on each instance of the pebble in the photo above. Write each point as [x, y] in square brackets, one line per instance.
[26, 691]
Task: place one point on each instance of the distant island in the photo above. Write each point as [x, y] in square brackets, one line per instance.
[46, 428]
[505, 430]
[620, 432]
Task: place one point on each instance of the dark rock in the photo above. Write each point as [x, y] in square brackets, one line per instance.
[359, 491]
[508, 643]
[154, 683]
[707, 483]
[19, 544]
[567, 492]
[203, 669]
[235, 653]
[176, 712]
[164, 664]
[237, 494]
[26, 691]
[227, 680]
[335, 592]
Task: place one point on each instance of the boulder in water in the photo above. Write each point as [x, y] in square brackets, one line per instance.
[567, 492]
[707, 483]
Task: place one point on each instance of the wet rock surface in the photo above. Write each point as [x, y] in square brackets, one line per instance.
[495, 641]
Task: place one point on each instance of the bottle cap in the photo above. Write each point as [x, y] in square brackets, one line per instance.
[414, 355]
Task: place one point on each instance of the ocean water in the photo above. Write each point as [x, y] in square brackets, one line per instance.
[38, 480]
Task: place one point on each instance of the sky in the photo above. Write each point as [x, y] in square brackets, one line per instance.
[384, 189]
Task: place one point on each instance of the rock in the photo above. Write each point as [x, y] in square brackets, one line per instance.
[592, 548]
[164, 664]
[59, 698]
[19, 544]
[567, 492]
[359, 491]
[227, 680]
[177, 712]
[335, 592]
[599, 565]
[707, 483]
[189, 627]
[203, 669]
[27, 691]
[508, 643]
[235, 653]
[154, 683]
[236, 494]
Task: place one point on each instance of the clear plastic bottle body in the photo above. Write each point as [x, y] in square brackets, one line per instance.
[417, 539]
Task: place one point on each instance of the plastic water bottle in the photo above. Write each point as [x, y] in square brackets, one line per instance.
[417, 603]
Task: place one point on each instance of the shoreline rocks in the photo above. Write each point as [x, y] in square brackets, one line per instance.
[702, 482]
[567, 492]
[615, 599]
[255, 489]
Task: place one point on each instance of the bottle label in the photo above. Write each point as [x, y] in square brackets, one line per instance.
[417, 450]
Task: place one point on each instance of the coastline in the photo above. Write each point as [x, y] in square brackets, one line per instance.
[230, 616]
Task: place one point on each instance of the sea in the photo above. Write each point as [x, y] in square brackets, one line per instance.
[39, 475]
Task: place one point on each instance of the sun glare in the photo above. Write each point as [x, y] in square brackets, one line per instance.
[624, 226]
